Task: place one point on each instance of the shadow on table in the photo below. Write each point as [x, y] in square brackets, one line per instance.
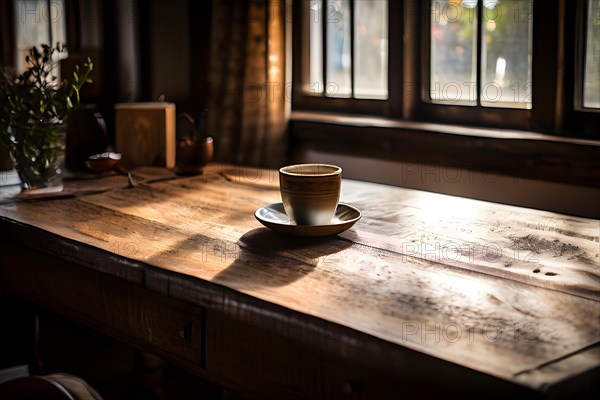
[268, 259]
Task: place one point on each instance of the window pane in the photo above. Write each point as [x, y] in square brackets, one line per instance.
[315, 25]
[370, 49]
[338, 49]
[453, 52]
[38, 22]
[506, 53]
[591, 86]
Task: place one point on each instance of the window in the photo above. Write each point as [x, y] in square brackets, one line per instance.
[38, 22]
[495, 63]
[346, 48]
[481, 53]
[591, 73]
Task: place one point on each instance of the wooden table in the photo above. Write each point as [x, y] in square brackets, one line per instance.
[427, 295]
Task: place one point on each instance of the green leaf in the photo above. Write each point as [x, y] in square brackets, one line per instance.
[28, 102]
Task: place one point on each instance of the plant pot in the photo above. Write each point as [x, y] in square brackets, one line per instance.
[192, 156]
[37, 154]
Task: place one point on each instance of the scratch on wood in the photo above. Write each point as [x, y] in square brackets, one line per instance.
[525, 312]
[494, 299]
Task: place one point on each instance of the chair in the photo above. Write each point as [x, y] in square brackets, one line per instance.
[48, 387]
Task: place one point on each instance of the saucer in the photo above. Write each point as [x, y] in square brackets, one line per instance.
[274, 217]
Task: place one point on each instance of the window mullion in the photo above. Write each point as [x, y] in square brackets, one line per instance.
[49, 19]
[324, 21]
[352, 49]
[479, 50]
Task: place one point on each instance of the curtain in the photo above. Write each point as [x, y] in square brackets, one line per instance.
[7, 42]
[7, 58]
[248, 110]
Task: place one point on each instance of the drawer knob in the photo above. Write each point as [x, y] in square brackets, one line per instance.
[352, 387]
[185, 332]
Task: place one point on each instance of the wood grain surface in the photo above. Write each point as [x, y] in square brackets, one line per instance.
[507, 291]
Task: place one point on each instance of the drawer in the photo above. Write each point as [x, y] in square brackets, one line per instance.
[264, 366]
[152, 320]
[261, 364]
[114, 306]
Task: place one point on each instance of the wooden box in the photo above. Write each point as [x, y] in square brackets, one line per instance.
[145, 134]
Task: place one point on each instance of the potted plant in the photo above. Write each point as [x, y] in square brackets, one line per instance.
[33, 109]
[194, 148]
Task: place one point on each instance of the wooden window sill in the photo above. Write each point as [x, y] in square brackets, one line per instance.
[524, 154]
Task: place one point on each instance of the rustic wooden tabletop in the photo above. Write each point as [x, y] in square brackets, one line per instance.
[508, 291]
